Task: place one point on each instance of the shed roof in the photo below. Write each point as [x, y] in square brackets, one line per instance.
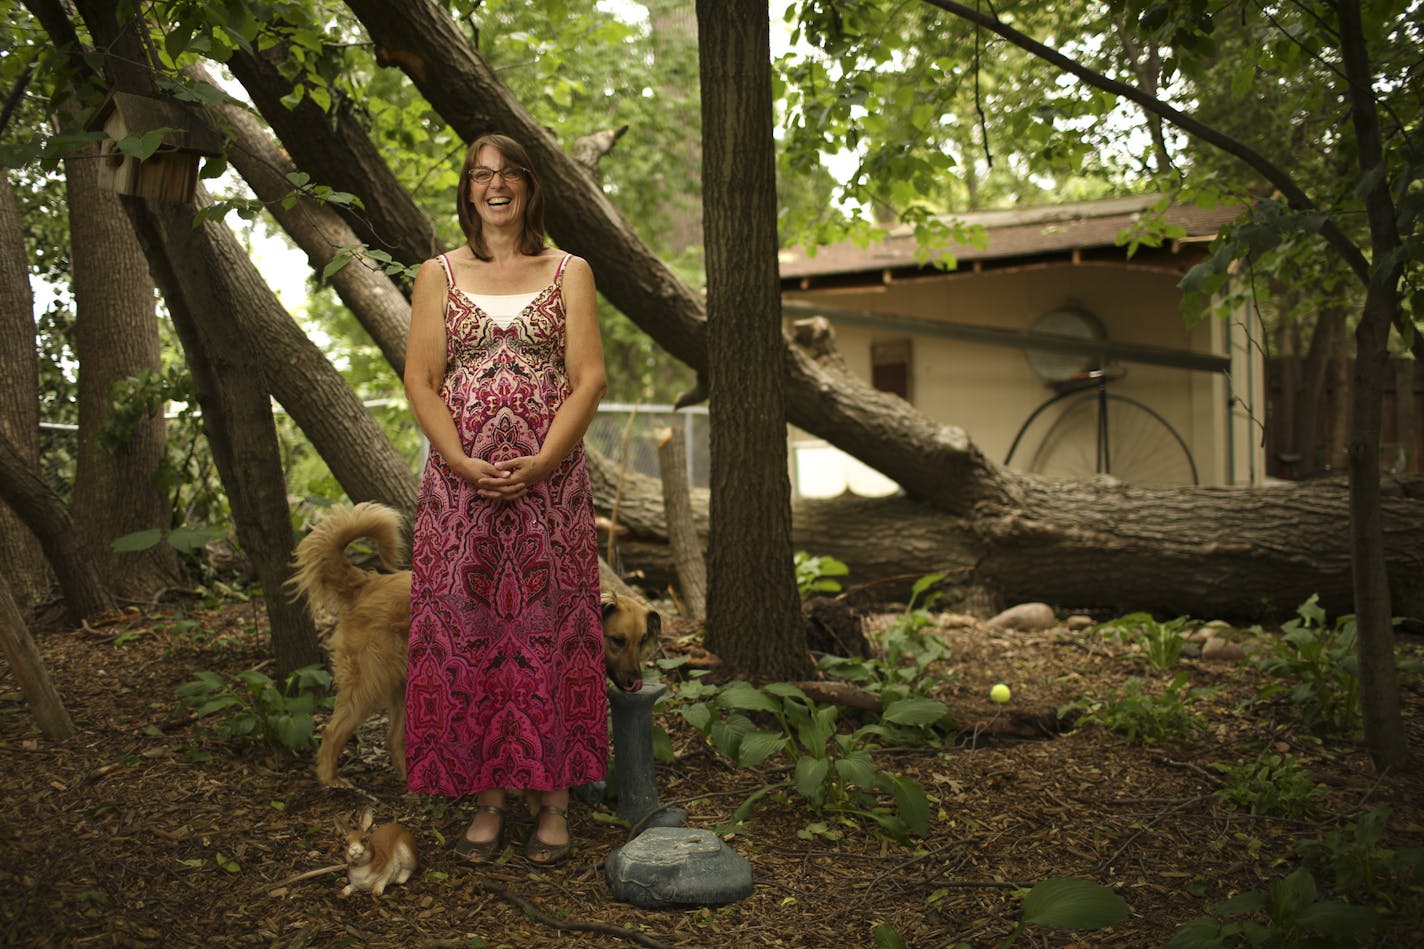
[1014, 234]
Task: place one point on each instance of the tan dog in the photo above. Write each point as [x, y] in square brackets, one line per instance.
[368, 646]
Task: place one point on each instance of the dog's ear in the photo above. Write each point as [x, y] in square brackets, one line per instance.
[610, 604]
[654, 623]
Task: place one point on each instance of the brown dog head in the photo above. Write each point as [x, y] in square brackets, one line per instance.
[630, 637]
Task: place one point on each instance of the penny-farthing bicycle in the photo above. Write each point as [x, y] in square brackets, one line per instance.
[1085, 430]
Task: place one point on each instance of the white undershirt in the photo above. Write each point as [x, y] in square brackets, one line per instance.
[502, 308]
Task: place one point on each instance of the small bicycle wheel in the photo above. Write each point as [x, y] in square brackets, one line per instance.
[1121, 437]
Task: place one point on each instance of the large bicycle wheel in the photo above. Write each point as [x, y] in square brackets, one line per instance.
[1120, 437]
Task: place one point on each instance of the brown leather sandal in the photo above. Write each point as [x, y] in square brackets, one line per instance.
[544, 854]
[483, 851]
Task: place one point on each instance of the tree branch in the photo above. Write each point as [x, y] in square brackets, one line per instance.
[1297, 198]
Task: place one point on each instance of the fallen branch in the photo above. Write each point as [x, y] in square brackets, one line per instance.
[271, 888]
[538, 915]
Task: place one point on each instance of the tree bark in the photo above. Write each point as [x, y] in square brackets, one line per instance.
[116, 337]
[22, 564]
[1096, 545]
[335, 150]
[232, 388]
[751, 581]
[44, 513]
[375, 301]
[1379, 684]
[298, 374]
[29, 669]
[682, 531]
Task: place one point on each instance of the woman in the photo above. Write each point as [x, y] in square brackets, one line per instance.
[504, 371]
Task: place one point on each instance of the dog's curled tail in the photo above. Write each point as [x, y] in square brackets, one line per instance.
[323, 574]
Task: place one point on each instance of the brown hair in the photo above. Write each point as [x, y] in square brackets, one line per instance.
[532, 239]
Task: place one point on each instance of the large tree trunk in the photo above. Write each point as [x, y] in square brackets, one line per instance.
[232, 389]
[298, 374]
[339, 154]
[116, 337]
[22, 567]
[1095, 545]
[44, 513]
[753, 612]
[376, 302]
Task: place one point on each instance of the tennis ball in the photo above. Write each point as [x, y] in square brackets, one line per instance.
[1000, 693]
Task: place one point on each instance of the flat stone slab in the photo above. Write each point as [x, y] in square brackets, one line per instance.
[677, 866]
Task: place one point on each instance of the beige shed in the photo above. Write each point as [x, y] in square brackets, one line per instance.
[1048, 344]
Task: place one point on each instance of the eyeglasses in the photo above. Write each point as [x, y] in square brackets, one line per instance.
[511, 175]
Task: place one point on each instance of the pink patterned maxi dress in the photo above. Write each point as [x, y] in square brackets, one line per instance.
[506, 680]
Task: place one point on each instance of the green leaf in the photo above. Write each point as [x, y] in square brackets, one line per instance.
[911, 802]
[811, 778]
[1072, 903]
[188, 539]
[142, 146]
[916, 710]
[743, 695]
[1341, 923]
[759, 746]
[857, 769]
[139, 540]
[698, 716]
[887, 937]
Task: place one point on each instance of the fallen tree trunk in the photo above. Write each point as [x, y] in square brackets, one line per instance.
[1083, 545]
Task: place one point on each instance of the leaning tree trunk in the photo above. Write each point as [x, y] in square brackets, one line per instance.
[22, 566]
[298, 374]
[187, 264]
[116, 338]
[237, 417]
[753, 612]
[336, 151]
[375, 301]
[44, 513]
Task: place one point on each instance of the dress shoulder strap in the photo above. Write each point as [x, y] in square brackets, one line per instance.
[445, 265]
[559, 273]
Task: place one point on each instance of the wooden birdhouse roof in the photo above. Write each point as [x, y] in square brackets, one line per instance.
[126, 113]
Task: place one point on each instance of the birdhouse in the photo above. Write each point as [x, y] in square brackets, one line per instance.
[163, 142]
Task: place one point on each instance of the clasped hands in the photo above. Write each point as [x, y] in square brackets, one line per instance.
[507, 480]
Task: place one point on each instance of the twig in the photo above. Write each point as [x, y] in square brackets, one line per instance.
[271, 887]
[538, 915]
[1143, 829]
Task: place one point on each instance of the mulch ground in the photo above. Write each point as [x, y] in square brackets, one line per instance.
[139, 830]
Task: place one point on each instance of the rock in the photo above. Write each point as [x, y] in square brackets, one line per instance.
[1216, 649]
[677, 866]
[1026, 617]
[1078, 622]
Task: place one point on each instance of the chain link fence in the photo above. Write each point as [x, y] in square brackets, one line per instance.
[622, 430]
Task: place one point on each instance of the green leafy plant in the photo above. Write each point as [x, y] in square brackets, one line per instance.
[1069, 903]
[1318, 664]
[1289, 912]
[250, 708]
[1144, 718]
[814, 574]
[833, 771]
[908, 650]
[1161, 642]
[1360, 867]
[1272, 784]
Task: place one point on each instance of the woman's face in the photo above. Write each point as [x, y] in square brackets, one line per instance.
[500, 201]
